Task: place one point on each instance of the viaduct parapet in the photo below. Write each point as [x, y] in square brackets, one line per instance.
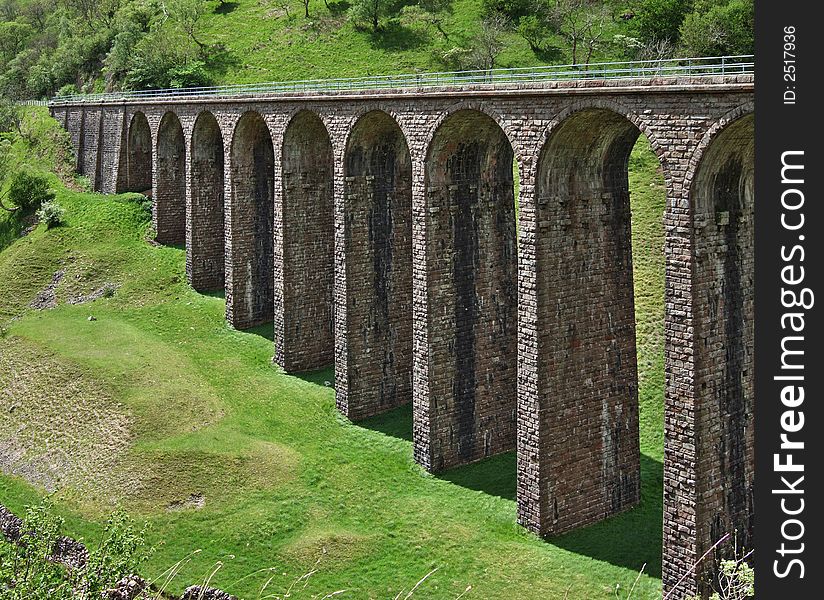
[378, 230]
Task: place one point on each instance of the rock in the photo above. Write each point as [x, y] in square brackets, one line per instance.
[199, 592]
[130, 587]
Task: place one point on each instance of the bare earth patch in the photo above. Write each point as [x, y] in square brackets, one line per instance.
[58, 428]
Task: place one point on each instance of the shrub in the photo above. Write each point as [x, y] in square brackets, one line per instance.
[27, 570]
[29, 189]
[52, 214]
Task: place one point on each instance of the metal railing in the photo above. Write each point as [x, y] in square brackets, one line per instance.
[496, 78]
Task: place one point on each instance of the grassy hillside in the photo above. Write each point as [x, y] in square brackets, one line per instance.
[159, 407]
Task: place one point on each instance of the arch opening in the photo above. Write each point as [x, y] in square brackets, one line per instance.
[136, 162]
[206, 263]
[250, 277]
[170, 193]
[378, 238]
[722, 198]
[303, 323]
[471, 270]
[586, 332]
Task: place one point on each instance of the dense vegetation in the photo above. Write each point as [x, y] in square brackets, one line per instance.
[63, 46]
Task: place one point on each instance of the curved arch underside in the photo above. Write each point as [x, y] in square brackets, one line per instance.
[305, 220]
[471, 256]
[205, 247]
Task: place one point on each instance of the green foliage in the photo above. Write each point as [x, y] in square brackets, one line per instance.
[369, 12]
[121, 552]
[27, 571]
[736, 581]
[718, 28]
[513, 9]
[51, 214]
[28, 189]
[660, 19]
[9, 117]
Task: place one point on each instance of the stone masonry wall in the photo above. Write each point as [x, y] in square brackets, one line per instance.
[723, 225]
[90, 144]
[170, 182]
[680, 116]
[305, 338]
[588, 394]
[471, 262]
[378, 195]
[205, 265]
[249, 290]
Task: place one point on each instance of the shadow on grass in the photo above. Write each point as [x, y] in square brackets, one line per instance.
[393, 36]
[496, 476]
[224, 8]
[214, 293]
[630, 539]
[338, 8]
[266, 330]
[396, 423]
[324, 376]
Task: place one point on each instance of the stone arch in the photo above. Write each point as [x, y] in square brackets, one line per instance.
[470, 263]
[136, 161]
[478, 107]
[378, 241]
[721, 194]
[206, 242]
[250, 256]
[170, 191]
[610, 106]
[305, 233]
[585, 329]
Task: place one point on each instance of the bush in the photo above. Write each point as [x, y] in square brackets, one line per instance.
[52, 214]
[29, 189]
[27, 571]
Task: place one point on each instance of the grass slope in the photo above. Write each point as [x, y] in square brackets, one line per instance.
[286, 483]
[262, 44]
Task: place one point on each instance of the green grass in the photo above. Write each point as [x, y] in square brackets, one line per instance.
[287, 481]
[262, 44]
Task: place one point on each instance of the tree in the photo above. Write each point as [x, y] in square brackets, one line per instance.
[661, 19]
[488, 42]
[369, 11]
[13, 38]
[429, 12]
[718, 28]
[187, 14]
[582, 25]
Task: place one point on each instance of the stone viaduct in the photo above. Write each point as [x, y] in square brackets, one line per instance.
[379, 231]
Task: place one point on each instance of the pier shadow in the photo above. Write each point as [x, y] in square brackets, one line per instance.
[633, 538]
[324, 376]
[496, 475]
[264, 330]
[396, 423]
[224, 8]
